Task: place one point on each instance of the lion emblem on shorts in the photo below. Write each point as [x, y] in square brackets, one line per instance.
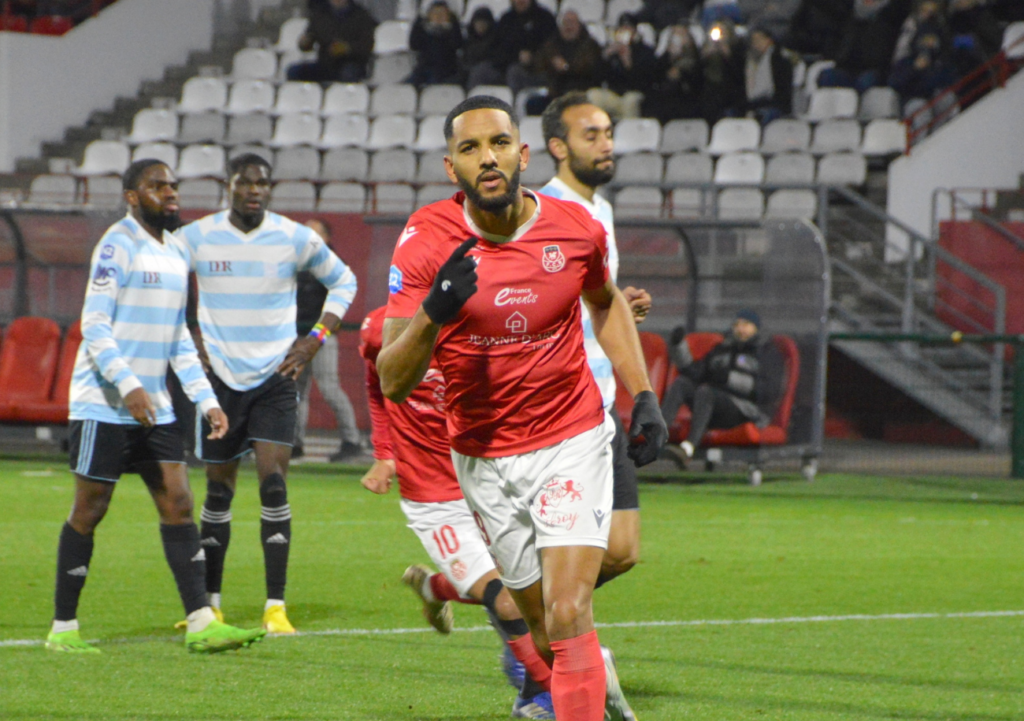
[555, 501]
[459, 570]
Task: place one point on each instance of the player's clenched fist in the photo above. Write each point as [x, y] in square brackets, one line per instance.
[647, 422]
[454, 284]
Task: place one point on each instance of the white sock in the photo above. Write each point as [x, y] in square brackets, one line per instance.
[273, 602]
[199, 620]
[428, 592]
[214, 599]
[62, 626]
[687, 448]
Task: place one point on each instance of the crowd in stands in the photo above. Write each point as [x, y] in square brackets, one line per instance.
[677, 58]
[50, 17]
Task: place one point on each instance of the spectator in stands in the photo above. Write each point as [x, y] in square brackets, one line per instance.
[716, 11]
[922, 61]
[817, 26]
[478, 66]
[436, 38]
[630, 68]
[677, 80]
[723, 80]
[976, 33]
[76, 10]
[570, 59]
[775, 16]
[869, 39]
[342, 32]
[738, 381]
[521, 32]
[769, 78]
[665, 13]
[1009, 11]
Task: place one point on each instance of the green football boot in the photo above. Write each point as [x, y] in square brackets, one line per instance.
[218, 637]
[68, 642]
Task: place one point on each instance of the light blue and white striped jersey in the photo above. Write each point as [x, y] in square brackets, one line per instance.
[133, 325]
[247, 291]
[601, 211]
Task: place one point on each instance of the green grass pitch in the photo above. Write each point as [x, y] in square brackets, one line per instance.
[715, 555]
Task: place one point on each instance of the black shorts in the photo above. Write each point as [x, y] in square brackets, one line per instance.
[626, 494]
[264, 413]
[103, 451]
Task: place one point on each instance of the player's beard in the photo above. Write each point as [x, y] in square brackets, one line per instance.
[588, 173]
[496, 203]
[159, 219]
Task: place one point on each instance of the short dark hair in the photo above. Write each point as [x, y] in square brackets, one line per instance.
[551, 122]
[132, 176]
[240, 163]
[478, 102]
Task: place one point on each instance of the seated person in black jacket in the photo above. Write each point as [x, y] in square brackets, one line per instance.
[738, 381]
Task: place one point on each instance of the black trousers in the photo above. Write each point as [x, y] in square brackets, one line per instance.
[710, 407]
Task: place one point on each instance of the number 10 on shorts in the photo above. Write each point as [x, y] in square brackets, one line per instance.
[447, 541]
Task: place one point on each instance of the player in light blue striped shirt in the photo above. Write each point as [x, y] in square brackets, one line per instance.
[121, 420]
[246, 261]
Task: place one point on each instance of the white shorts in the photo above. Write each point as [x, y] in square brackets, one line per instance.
[452, 539]
[560, 495]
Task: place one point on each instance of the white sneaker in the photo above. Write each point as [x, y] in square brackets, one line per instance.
[687, 448]
[616, 708]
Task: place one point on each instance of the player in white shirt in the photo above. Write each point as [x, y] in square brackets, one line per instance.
[579, 138]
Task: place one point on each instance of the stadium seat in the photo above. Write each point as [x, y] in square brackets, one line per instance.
[250, 96]
[393, 199]
[615, 8]
[288, 37]
[152, 124]
[843, 169]
[740, 204]
[879, 103]
[814, 71]
[342, 198]
[439, 99]
[201, 161]
[53, 190]
[13, 23]
[430, 167]
[590, 11]
[104, 157]
[255, 148]
[345, 164]
[1013, 41]
[659, 368]
[296, 129]
[832, 136]
[392, 131]
[790, 169]
[598, 32]
[104, 191]
[28, 363]
[254, 64]
[639, 169]
[540, 170]
[51, 25]
[392, 166]
[54, 410]
[792, 204]
[434, 192]
[344, 98]
[344, 130]
[293, 195]
[201, 94]
[730, 135]
[391, 36]
[249, 128]
[639, 203]
[205, 127]
[743, 168]
[634, 135]
[295, 97]
[200, 194]
[688, 169]
[391, 69]
[829, 103]
[531, 133]
[501, 92]
[431, 133]
[397, 99]
[164, 152]
[684, 135]
[786, 135]
[299, 162]
[884, 137]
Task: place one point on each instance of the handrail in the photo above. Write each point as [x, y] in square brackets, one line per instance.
[981, 217]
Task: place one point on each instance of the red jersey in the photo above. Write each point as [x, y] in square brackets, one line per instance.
[517, 374]
[413, 433]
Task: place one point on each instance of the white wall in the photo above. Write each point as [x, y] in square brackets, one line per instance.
[981, 148]
[50, 83]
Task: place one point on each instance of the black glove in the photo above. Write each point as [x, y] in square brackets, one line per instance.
[648, 423]
[454, 284]
[678, 333]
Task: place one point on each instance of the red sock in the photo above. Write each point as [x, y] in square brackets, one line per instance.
[443, 590]
[577, 680]
[525, 650]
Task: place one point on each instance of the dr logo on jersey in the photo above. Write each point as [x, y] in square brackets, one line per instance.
[395, 280]
[553, 260]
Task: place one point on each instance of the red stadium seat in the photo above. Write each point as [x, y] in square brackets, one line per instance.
[55, 410]
[700, 345]
[51, 25]
[28, 362]
[14, 23]
[658, 367]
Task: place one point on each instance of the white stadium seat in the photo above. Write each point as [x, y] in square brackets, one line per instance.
[344, 98]
[431, 133]
[792, 204]
[293, 195]
[392, 166]
[502, 92]
[53, 190]
[152, 124]
[884, 137]
[343, 130]
[104, 157]
[633, 135]
[200, 161]
[164, 152]
[842, 169]
[342, 198]
[790, 169]
[815, 70]
[540, 170]
[1013, 40]
[200, 194]
[293, 97]
[297, 129]
[832, 136]
[615, 8]
[638, 203]
[743, 168]
[300, 162]
[432, 193]
[398, 99]
[730, 135]
[689, 168]
[250, 96]
[254, 64]
[590, 11]
[393, 199]
[249, 128]
[345, 164]
[288, 37]
[639, 169]
[439, 99]
[879, 102]
[205, 127]
[392, 131]
[682, 135]
[201, 94]
[785, 135]
[104, 191]
[740, 204]
[391, 36]
[430, 167]
[531, 133]
[828, 103]
[251, 148]
[391, 69]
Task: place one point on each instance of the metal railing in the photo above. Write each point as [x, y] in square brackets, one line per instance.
[958, 199]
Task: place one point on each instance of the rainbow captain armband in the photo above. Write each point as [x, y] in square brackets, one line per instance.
[320, 333]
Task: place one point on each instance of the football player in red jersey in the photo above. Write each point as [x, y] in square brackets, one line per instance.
[530, 438]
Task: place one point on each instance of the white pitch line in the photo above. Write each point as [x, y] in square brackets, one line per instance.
[621, 624]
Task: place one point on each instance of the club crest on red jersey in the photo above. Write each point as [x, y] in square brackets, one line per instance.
[553, 260]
